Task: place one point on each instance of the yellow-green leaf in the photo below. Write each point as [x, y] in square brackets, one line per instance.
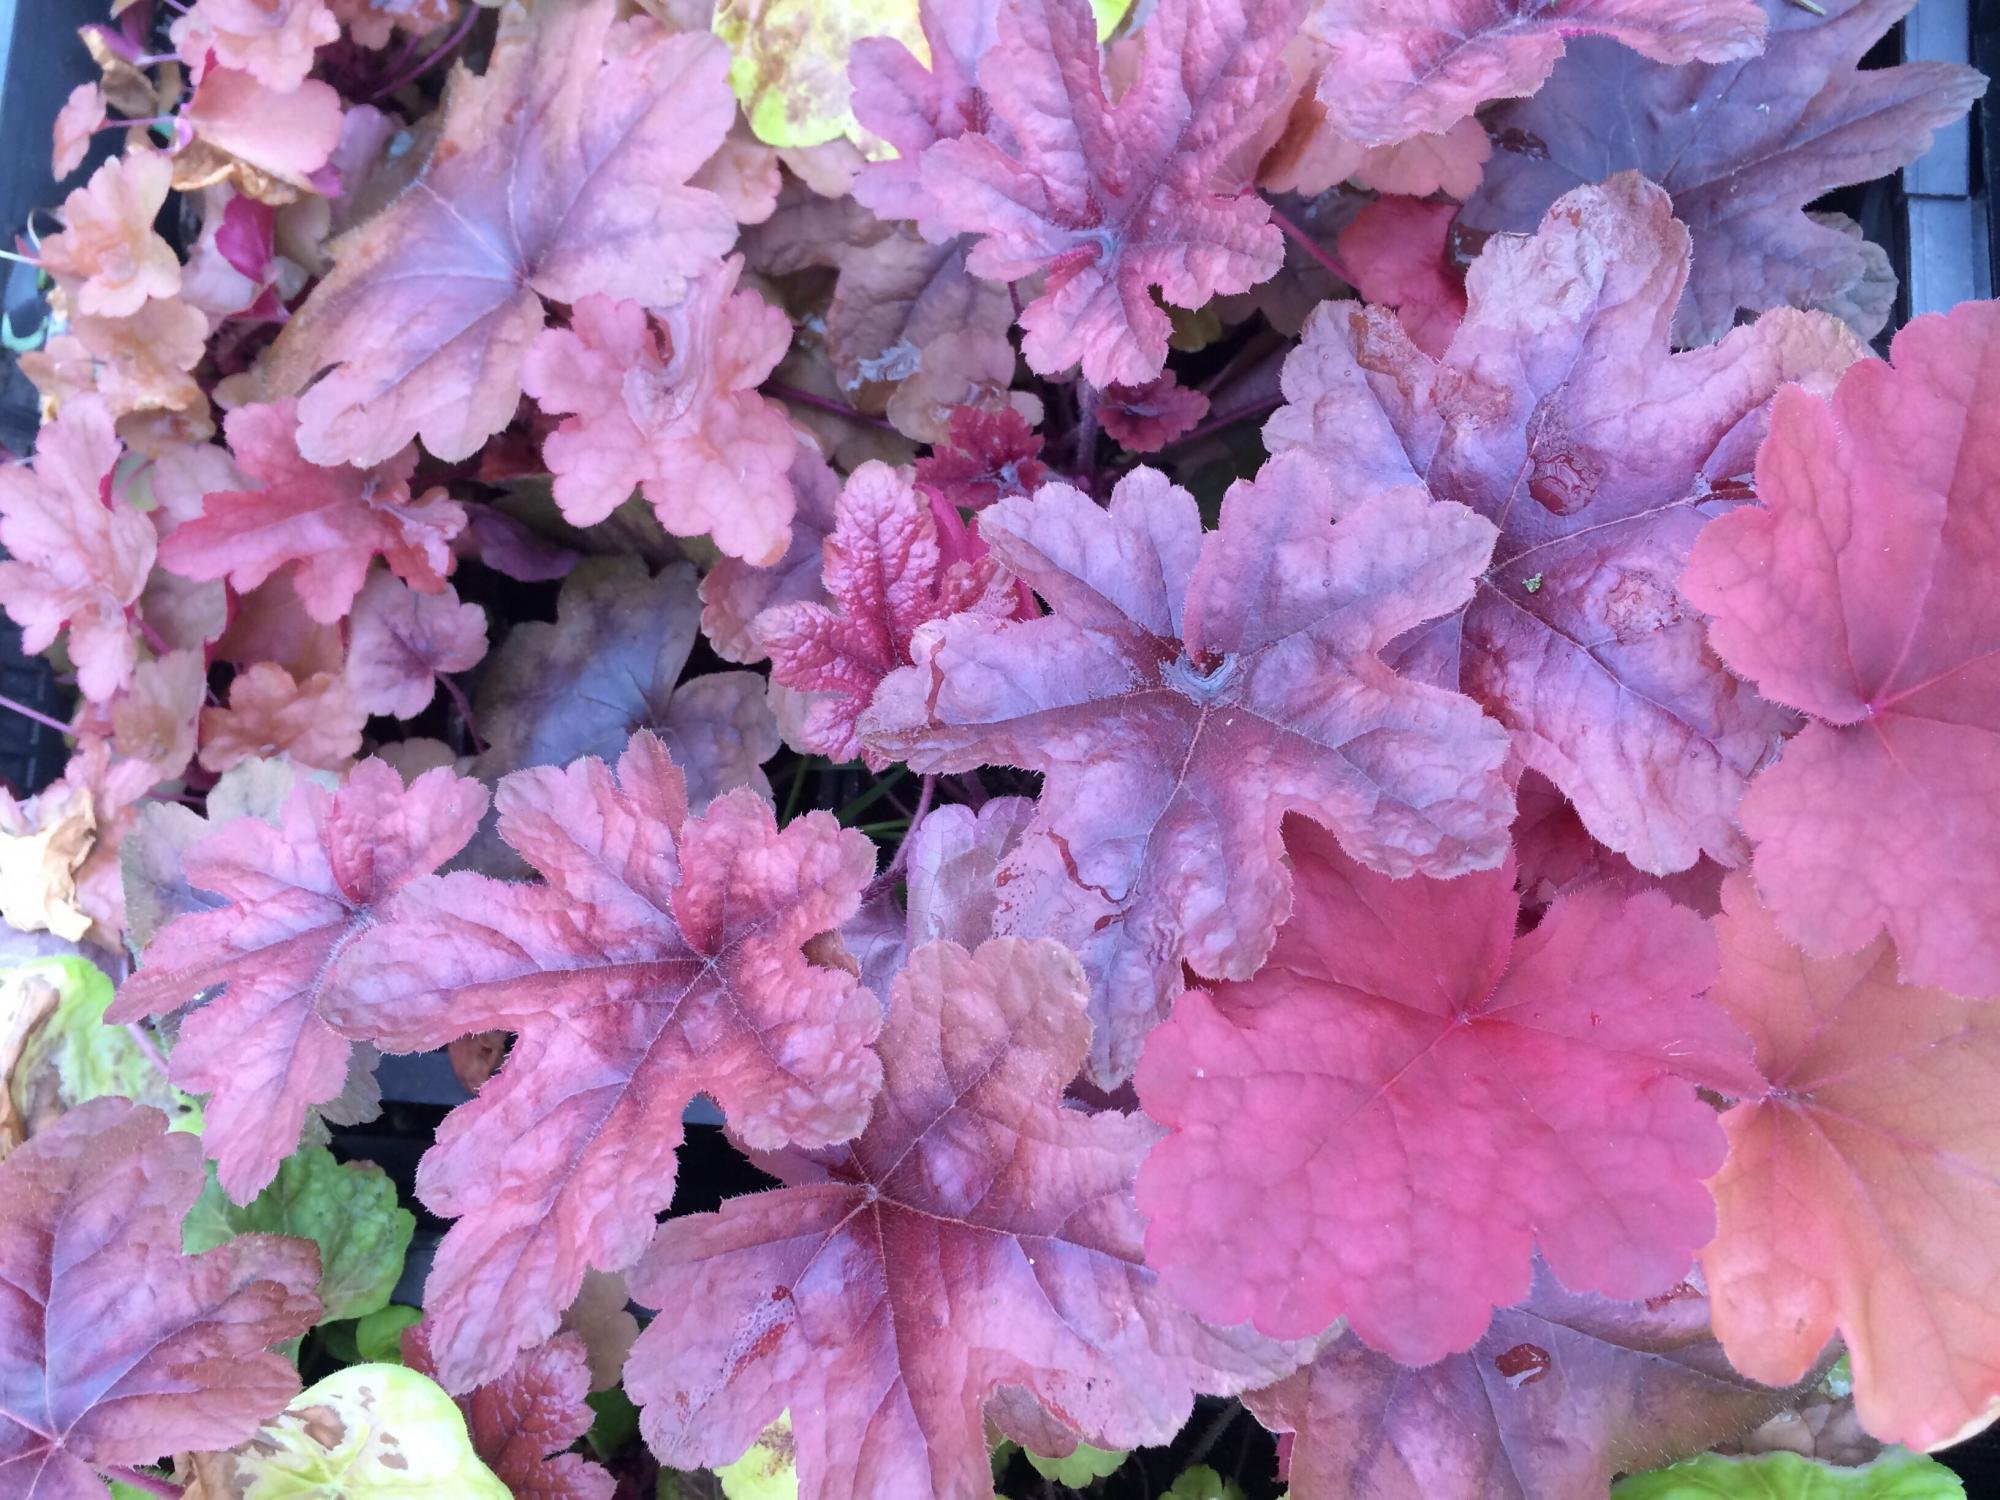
[766, 1472]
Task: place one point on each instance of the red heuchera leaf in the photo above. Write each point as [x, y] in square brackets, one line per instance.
[1859, 1194]
[972, 1193]
[400, 640]
[522, 1421]
[332, 522]
[669, 404]
[1563, 1393]
[114, 1348]
[1107, 201]
[1447, 1098]
[1403, 68]
[560, 173]
[1396, 249]
[1558, 413]
[662, 958]
[76, 554]
[993, 452]
[1743, 148]
[1145, 418]
[1188, 690]
[913, 107]
[887, 574]
[1861, 591]
[297, 895]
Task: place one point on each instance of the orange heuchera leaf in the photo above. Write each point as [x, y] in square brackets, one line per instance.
[1862, 591]
[114, 1348]
[1860, 1193]
[315, 720]
[107, 256]
[561, 172]
[273, 40]
[663, 956]
[295, 896]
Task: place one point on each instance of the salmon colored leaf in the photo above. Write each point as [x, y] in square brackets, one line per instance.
[314, 720]
[522, 1422]
[77, 555]
[1107, 201]
[1861, 593]
[296, 893]
[560, 172]
[1743, 146]
[1859, 1196]
[1190, 689]
[1405, 1101]
[274, 40]
[1564, 1392]
[117, 1348]
[662, 957]
[734, 593]
[107, 256]
[976, 1249]
[1558, 413]
[399, 641]
[886, 571]
[330, 522]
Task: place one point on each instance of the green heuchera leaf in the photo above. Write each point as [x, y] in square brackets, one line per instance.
[378, 1336]
[617, 1421]
[766, 1471]
[370, 1432]
[1897, 1475]
[1203, 1483]
[1080, 1468]
[349, 1210]
[89, 1058]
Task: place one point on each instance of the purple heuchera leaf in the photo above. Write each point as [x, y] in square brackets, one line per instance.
[1743, 146]
[974, 1252]
[296, 896]
[913, 107]
[1107, 201]
[661, 957]
[115, 1348]
[1558, 413]
[1189, 690]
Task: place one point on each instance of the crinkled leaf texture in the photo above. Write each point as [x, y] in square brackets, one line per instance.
[1404, 68]
[975, 1250]
[114, 1347]
[886, 570]
[660, 957]
[296, 894]
[1187, 691]
[1565, 1391]
[1108, 201]
[1743, 147]
[560, 172]
[1859, 1193]
[1405, 1101]
[1861, 592]
[1558, 412]
[522, 1422]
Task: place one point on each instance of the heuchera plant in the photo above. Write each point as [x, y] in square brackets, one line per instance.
[1295, 737]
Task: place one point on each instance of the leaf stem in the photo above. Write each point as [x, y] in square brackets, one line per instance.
[35, 715]
[152, 1484]
[450, 44]
[840, 409]
[457, 695]
[142, 1038]
[1327, 259]
[1227, 419]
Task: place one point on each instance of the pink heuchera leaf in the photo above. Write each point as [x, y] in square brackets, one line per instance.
[1145, 418]
[662, 957]
[1558, 413]
[107, 256]
[76, 123]
[669, 404]
[734, 593]
[273, 40]
[330, 522]
[1861, 592]
[1564, 1392]
[77, 555]
[1410, 67]
[885, 571]
[1396, 249]
[1447, 1099]
[1107, 201]
[289, 134]
[1743, 147]
[1859, 1195]
[114, 1349]
[560, 173]
[399, 641]
[1188, 690]
[296, 895]
[522, 1421]
[992, 452]
[971, 1193]
[913, 107]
